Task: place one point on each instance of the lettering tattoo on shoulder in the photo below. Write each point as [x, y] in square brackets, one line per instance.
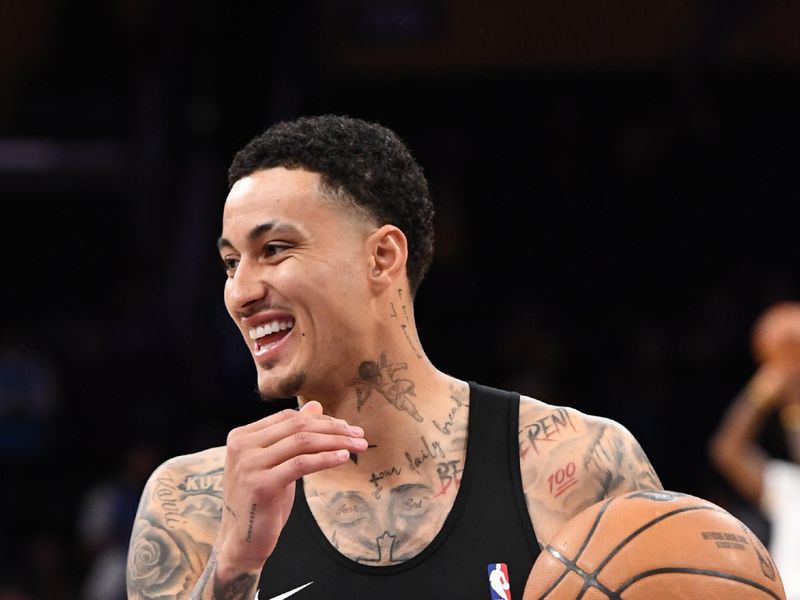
[549, 428]
[382, 377]
[203, 484]
[616, 462]
[166, 493]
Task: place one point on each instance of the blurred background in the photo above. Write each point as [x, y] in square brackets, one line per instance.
[617, 193]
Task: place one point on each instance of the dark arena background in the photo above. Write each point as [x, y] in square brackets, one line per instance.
[617, 194]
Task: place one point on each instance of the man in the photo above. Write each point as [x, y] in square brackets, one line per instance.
[771, 484]
[393, 480]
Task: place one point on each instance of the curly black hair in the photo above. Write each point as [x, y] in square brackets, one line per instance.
[366, 162]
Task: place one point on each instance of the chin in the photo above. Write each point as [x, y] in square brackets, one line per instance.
[278, 388]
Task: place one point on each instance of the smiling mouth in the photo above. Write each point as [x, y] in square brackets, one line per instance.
[269, 335]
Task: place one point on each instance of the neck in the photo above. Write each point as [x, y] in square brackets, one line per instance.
[416, 428]
[386, 370]
[393, 392]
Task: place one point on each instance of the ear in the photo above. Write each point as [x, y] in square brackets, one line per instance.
[388, 253]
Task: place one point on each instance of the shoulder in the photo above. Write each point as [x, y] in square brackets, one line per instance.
[184, 483]
[207, 463]
[176, 524]
[570, 460]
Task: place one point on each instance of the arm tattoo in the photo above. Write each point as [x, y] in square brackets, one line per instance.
[172, 537]
[240, 588]
[202, 583]
[618, 462]
[163, 563]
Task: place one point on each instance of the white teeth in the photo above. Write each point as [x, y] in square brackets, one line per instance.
[272, 327]
[262, 349]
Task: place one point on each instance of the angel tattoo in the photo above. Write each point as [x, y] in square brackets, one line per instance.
[381, 377]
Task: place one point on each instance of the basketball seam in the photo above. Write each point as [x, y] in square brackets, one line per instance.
[694, 571]
[647, 525]
[567, 562]
[576, 569]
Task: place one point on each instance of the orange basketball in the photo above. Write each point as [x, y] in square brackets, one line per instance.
[654, 545]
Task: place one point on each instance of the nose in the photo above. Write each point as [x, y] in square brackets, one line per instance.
[245, 287]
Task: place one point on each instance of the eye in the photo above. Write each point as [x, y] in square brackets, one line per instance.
[274, 248]
[229, 263]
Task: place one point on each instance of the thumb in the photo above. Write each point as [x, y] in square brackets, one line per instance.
[311, 407]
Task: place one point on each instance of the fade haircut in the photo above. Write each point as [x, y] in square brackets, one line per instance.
[364, 163]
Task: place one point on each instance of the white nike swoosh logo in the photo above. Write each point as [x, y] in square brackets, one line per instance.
[289, 593]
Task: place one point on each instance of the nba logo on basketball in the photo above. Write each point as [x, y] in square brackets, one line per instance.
[499, 585]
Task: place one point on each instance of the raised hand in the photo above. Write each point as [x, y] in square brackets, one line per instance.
[263, 461]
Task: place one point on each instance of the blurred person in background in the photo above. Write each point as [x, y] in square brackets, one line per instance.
[770, 483]
[106, 520]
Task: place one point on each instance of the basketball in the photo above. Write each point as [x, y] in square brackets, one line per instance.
[654, 545]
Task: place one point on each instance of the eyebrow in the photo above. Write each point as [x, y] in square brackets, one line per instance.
[258, 231]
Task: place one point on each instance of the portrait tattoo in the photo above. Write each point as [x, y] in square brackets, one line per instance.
[382, 377]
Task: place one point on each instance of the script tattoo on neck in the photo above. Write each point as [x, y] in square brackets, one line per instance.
[459, 397]
[406, 323]
[433, 450]
[381, 376]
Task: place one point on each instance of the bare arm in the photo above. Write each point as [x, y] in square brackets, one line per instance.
[175, 528]
[570, 461]
[734, 448]
[790, 419]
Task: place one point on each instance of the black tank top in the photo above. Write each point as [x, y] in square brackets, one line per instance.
[488, 524]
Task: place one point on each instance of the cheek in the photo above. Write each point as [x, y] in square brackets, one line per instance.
[227, 300]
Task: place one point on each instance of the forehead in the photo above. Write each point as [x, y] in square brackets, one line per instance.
[288, 196]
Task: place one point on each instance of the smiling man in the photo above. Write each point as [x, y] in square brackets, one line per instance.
[393, 480]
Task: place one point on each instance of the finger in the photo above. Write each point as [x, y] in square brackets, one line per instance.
[311, 408]
[294, 425]
[305, 464]
[283, 415]
[303, 443]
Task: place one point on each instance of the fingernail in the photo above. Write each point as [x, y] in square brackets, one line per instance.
[360, 443]
[342, 454]
[355, 431]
